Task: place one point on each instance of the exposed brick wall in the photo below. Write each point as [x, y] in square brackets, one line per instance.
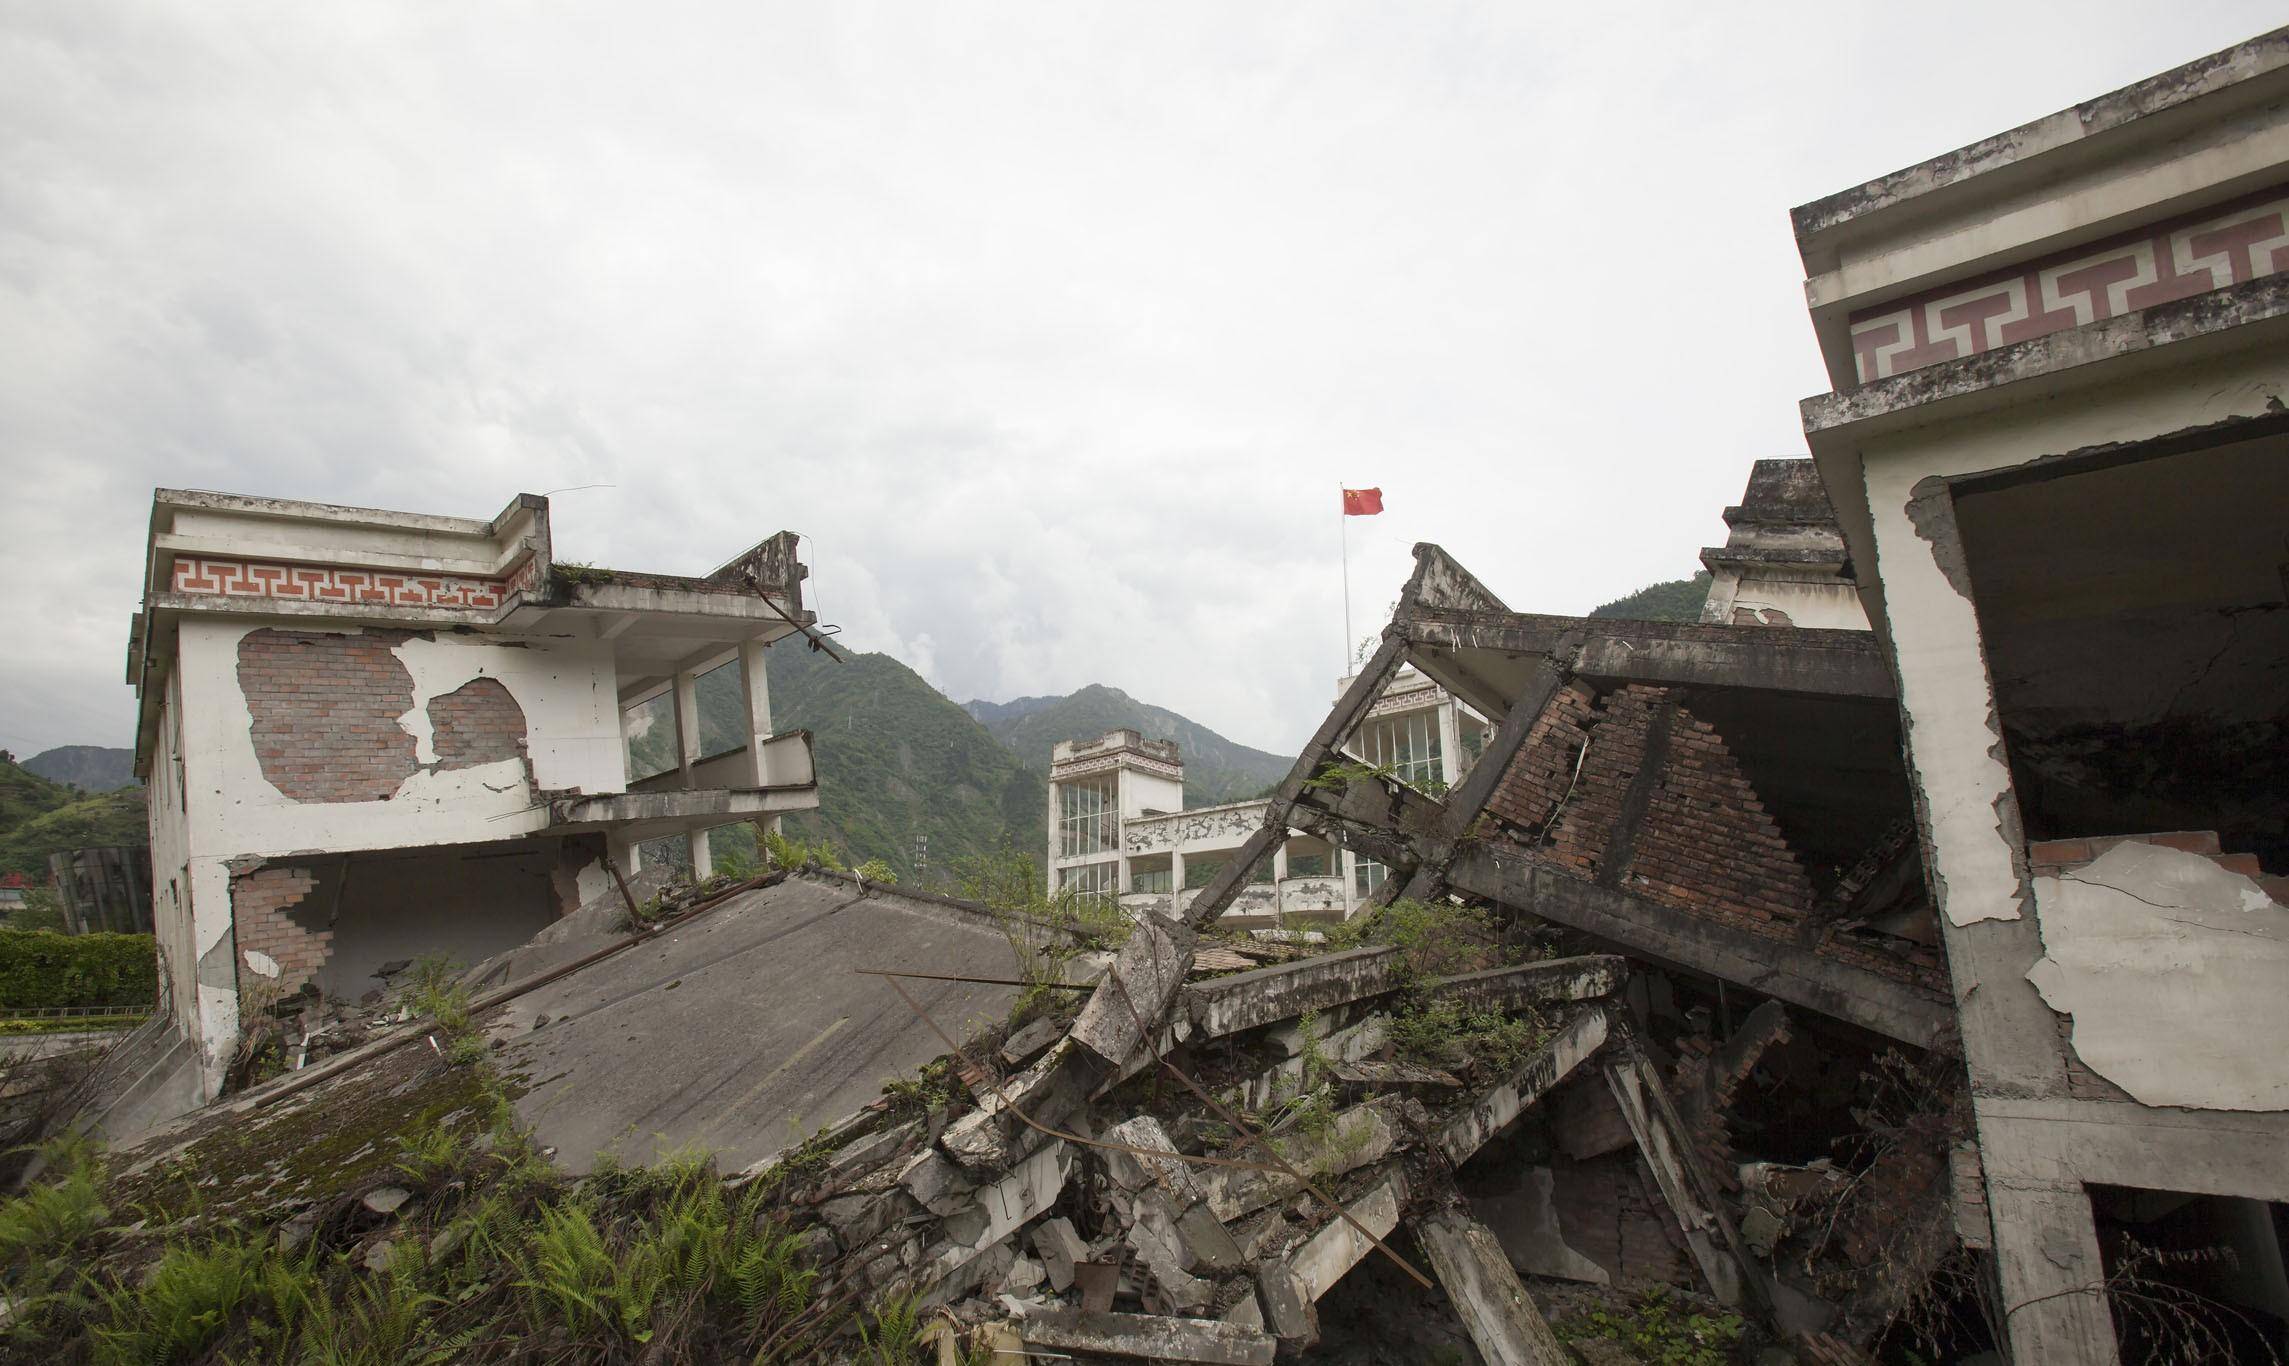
[263, 906]
[326, 709]
[1691, 834]
[476, 723]
[1610, 1211]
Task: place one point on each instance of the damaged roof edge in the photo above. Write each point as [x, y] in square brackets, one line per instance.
[2219, 71]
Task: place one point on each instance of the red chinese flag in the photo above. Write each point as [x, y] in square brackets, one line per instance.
[1362, 502]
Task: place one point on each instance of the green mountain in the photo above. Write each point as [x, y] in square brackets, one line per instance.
[1676, 600]
[39, 818]
[1216, 770]
[897, 760]
[91, 768]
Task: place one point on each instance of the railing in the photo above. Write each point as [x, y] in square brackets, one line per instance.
[77, 1013]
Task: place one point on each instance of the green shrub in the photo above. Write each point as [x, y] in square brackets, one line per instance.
[40, 970]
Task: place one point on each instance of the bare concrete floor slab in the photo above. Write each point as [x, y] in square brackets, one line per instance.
[749, 1028]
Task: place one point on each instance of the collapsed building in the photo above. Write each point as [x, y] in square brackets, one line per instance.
[370, 736]
[1892, 958]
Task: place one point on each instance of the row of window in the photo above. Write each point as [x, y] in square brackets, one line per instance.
[1088, 819]
[1096, 878]
[1409, 745]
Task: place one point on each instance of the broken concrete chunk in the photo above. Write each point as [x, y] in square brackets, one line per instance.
[1289, 1310]
[1143, 979]
[1247, 1313]
[1487, 1295]
[1024, 1274]
[1164, 1256]
[1030, 1040]
[940, 1186]
[1060, 1248]
[978, 1141]
[1133, 1173]
[386, 1199]
[1206, 1238]
[859, 1219]
[1340, 1244]
[1148, 1337]
[863, 1154]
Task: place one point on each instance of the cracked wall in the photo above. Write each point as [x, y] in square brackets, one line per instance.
[440, 766]
[2148, 944]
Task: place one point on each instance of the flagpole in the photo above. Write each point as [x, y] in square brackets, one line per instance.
[1343, 525]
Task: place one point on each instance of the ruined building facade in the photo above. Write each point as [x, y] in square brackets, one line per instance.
[371, 736]
[2058, 444]
[1119, 828]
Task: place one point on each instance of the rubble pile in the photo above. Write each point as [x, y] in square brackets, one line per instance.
[1200, 1199]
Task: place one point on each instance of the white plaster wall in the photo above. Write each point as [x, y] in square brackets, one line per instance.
[170, 867]
[1945, 696]
[566, 690]
[1141, 792]
[1828, 604]
[2174, 972]
[572, 725]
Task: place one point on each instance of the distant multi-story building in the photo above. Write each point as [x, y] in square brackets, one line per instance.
[1118, 826]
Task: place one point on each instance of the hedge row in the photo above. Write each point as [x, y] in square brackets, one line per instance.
[44, 971]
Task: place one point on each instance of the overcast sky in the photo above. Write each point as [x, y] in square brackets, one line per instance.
[1053, 328]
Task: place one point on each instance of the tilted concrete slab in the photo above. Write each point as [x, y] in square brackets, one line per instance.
[1486, 1293]
[1148, 1336]
[1568, 1049]
[748, 1027]
[1556, 979]
[1245, 1000]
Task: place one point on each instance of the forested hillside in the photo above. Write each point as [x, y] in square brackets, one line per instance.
[39, 818]
[1216, 770]
[91, 768]
[898, 760]
[1676, 600]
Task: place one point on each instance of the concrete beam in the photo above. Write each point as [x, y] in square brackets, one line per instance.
[1649, 929]
[1262, 996]
[1486, 1293]
[1692, 1199]
[1828, 663]
[1528, 984]
[1329, 1254]
[1148, 1337]
[1553, 1062]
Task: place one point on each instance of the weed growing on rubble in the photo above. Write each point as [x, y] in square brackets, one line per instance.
[1659, 1331]
[893, 1335]
[788, 852]
[933, 1088]
[434, 989]
[1447, 1033]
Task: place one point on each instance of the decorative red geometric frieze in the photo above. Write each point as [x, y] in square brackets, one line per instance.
[303, 583]
[2175, 259]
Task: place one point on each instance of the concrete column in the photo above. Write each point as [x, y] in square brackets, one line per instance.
[1450, 742]
[687, 753]
[1175, 877]
[1347, 865]
[2053, 1280]
[1486, 1293]
[1280, 863]
[625, 853]
[687, 724]
[1049, 862]
[757, 681]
